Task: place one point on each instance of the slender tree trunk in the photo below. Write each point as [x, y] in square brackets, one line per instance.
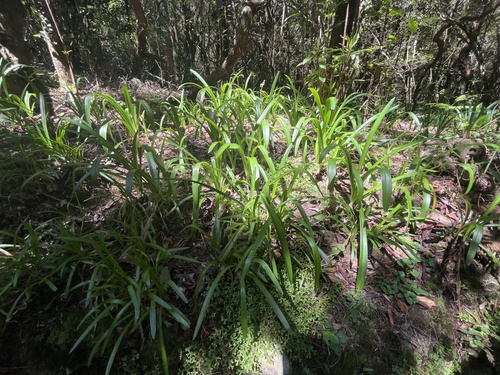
[346, 22]
[172, 69]
[59, 53]
[141, 46]
[12, 46]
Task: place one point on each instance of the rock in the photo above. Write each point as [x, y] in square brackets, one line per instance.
[469, 149]
[277, 364]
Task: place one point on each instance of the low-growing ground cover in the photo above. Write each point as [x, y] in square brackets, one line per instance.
[154, 236]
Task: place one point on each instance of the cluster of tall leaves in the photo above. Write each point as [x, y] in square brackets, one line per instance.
[269, 154]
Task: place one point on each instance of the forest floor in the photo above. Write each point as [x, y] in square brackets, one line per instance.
[448, 306]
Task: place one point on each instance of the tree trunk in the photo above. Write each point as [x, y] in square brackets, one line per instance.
[12, 20]
[12, 46]
[241, 46]
[58, 51]
[141, 45]
[172, 69]
[13, 49]
[346, 22]
[190, 40]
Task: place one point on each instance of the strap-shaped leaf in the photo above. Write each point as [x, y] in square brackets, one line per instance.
[153, 169]
[135, 296]
[331, 173]
[492, 205]
[385, 175]
[174, 311]
[378, 120]
[196, 194]
[357, 188]
[270, 274]
[309, 235]
[163, 350]
[474, 244]
[206, 301]
[274, 305]
[282, 237]
[362, 253]
[428, 198]
[129, 182]
[470, 171]
[152, 318]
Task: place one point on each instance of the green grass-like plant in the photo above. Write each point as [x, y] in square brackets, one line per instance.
[243, 203]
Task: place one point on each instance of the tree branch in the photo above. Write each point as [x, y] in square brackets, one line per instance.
[440, 42]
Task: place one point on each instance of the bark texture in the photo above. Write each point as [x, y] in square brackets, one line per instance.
[141, 45]
[14, 49]
[58, 51]
[346, 22]
[12, 30]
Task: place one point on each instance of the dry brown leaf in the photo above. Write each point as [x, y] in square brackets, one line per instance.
[389, 314]
[426, 302]
[402, 306]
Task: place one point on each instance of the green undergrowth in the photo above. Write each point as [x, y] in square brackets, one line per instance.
[201, 228]
[306, 311]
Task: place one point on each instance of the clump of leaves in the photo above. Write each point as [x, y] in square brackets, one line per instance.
[333, 339]
[480, 329]
[403, 285]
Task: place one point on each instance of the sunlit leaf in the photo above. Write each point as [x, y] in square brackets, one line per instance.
[413, 25]
[396, 12]
[271, 301]
[206, 301]
[331, 173]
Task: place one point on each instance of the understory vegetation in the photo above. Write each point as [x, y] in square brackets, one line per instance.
[208, 235]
